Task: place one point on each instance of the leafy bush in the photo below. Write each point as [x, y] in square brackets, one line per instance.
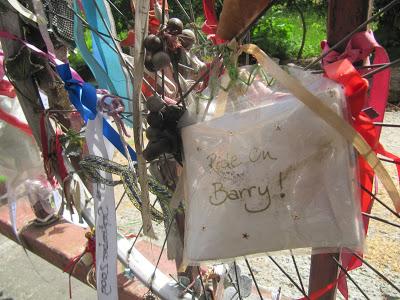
[279, 32]
[273, 35]
[388, 28]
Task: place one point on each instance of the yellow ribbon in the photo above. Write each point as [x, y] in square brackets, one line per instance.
[328, 115]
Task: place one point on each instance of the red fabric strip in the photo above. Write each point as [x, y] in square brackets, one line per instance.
[356, 91]
[210, 25]
[13, 121]
[6, 88]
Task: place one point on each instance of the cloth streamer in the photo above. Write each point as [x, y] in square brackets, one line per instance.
[356, 90]
[99, 17]
[105, 216]
[210, 25]
[359, 48]
[97, 69]
[54, 60]
[83, 97]
[13, 121]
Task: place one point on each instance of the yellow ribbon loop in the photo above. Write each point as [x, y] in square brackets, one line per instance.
[328, 115]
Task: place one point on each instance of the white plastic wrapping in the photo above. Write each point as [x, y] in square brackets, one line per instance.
[268, 175]
[20, 158]
[39, 192]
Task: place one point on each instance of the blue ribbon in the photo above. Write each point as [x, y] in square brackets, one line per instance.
[83, 96]
[106, 57]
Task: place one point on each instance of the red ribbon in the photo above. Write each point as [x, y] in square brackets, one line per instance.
[6, 88]
[52, 150]
[89, 248]
[154, 24]
[360, 46]
[14, 121]
[211, 23]
[319, 293]
[339, 68]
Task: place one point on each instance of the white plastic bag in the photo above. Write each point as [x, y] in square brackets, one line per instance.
[269, 177]
[20, 158]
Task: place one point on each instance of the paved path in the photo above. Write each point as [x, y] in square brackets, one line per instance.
[19, 280]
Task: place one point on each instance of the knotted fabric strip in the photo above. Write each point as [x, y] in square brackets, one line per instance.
[83, 97]
[359, 48]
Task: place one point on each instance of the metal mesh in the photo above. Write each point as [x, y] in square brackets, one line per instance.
[61, 19]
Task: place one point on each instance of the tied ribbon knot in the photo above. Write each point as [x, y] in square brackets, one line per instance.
[52, 149]
[84, 98]
[339, 68]
[113, 106]
[89, 248]
[359, 48]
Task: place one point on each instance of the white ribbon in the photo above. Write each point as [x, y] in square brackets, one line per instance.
[106, 227]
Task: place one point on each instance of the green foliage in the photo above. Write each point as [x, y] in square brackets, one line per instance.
[73, 142]
[75, 58]
[388, 28]
[279, 32]
[121, 22]
[176, 11]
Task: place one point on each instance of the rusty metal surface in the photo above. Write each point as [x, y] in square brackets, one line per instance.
[60, 242]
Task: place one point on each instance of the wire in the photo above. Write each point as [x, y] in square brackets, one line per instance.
[297, 271]
[361, 26]
[377, 272]
[288, 277]
[351, 279]
[380, 219]
[254, 279]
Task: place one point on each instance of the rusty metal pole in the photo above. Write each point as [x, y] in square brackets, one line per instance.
[343, 17]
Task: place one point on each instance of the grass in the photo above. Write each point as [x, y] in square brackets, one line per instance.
[280, 32]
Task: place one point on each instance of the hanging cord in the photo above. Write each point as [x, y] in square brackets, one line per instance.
[89, 248]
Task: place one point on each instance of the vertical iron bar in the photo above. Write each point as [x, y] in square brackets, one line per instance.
[237, 280]
[254, 279]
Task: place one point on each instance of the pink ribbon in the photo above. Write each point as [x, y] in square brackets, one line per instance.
[360, 46]
[7, 35]
[1, 65]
